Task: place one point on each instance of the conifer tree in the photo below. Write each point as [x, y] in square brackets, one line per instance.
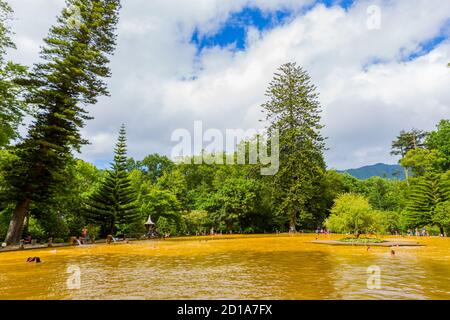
[115, 203]
[293, 109]
[427, 194]
[75, 62]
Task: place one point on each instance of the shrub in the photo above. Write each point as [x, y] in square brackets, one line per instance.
[362, 240]
[196, 221]
[390, 221]
[166, 226]
[352, 213]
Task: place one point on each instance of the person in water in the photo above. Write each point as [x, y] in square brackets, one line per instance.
[34, 259]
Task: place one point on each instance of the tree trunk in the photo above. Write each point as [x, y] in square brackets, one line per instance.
[17, 221]
[229, 226]
[27, 223]
[111, 229]
[293, 222]
[406, 175]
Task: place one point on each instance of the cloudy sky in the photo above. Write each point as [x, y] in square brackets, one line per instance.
[380, 67]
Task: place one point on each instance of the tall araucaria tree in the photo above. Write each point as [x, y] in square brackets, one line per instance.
[115, 203]
[428, 199]
[75, 63]
[293, 109]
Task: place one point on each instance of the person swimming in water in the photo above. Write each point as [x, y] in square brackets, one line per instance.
[34, 259]
[392, 253]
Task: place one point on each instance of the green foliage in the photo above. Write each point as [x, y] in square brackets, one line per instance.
[441, 216]
[293, 109]
[426, 197]
[440, 140]
[12, 106]
[384, 194]
[422, 161]
[161, 203]
[197, 221]
[352, 213]
[50, 221]
[361, 240]
[114, 204]
[62, 214]
[175, 182]
[5, 217]
[166, 226]
[407, 141]
[390, 222]
[155, 166]
[234, 202]
[94, 231]
[6, 158]
[36, 231]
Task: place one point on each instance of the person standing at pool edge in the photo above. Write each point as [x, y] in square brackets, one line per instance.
[84, 234]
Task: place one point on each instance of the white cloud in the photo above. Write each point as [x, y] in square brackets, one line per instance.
[160, 84]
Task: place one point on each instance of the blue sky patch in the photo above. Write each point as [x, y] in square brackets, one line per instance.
[102, 163]
[346, 4]
[426, 47]
[234, 30]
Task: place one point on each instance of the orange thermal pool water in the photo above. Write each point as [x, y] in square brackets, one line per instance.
[228, 267]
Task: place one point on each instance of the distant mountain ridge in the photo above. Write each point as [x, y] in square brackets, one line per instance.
[389, 171]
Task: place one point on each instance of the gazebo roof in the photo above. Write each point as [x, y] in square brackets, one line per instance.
[149, 221]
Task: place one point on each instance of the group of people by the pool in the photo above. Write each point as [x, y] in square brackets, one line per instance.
[418, 233]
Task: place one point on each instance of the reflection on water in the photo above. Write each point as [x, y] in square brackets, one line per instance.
[250, 267]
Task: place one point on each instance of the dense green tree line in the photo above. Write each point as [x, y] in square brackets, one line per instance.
[189, 199]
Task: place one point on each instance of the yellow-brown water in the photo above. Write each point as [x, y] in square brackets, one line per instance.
[232, 267]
